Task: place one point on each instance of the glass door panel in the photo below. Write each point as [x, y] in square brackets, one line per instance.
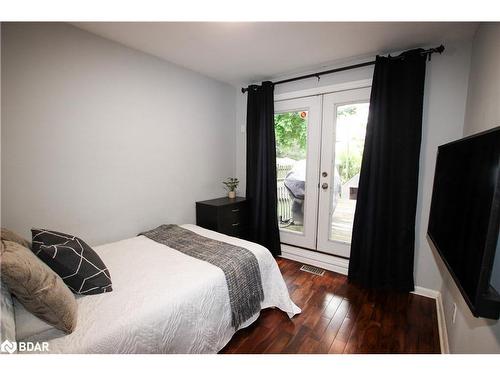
[297, 130]
[348, 150]
[345, 115]
[291, 167]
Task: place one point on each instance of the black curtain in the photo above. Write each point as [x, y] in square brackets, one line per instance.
[382, 248]
[261, 187]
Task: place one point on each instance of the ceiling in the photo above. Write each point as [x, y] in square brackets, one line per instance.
[241, 53]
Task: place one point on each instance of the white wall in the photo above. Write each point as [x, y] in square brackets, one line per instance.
[445, 96]
[470, 334]
[445, 89]
[241, 139]
[483, 102]
[0, 120]
[104, 141]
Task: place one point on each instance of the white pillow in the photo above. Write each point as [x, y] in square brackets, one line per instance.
[7, 320]
[27, 324]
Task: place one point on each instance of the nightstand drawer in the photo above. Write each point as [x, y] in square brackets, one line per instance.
[227, 216]
[236, 213]
[230, 227]
[234, 229]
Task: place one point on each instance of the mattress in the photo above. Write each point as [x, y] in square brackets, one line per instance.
[163, 301]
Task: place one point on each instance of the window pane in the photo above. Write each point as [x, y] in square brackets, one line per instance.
[291, 150]
[349, 143]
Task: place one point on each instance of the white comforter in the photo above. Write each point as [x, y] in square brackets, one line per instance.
[163, 301]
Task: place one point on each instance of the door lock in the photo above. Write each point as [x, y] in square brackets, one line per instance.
[324, 174]
[324, 186]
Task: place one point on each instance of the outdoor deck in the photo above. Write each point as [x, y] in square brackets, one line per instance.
[341, 221]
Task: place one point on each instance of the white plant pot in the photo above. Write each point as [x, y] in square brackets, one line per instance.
[231, 194]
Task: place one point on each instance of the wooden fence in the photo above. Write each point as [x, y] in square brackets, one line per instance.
[284, 200]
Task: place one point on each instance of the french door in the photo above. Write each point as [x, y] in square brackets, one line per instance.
[319, 145]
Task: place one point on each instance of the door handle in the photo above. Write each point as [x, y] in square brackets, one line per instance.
[324, 186]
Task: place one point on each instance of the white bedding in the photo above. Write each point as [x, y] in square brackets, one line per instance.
[162, 301]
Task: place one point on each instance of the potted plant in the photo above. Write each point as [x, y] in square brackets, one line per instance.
[231, 184]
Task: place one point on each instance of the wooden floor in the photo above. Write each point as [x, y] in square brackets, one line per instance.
[338, 317]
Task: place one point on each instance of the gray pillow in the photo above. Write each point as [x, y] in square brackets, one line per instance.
[7, 321]
[39, 289]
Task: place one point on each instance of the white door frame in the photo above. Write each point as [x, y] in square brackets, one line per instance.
[330, 104]
[324, 89]
[301, 241]
[312, 104]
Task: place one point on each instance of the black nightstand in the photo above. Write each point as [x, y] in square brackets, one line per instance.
[224, 215]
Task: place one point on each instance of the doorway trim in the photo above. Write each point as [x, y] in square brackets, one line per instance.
[320, 90]
[326, 261]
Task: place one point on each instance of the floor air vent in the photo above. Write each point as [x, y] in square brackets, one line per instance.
[312, 269]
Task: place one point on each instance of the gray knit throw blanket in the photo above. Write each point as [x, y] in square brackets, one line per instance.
[239, 265]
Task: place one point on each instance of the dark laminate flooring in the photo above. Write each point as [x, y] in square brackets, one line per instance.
[338, 317]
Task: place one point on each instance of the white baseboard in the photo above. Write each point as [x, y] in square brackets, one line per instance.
[425, 292]
[443, 333]
[341, 265]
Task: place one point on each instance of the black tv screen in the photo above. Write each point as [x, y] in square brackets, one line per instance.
[464, 221]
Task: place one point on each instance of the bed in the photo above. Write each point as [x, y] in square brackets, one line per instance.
[163, 301]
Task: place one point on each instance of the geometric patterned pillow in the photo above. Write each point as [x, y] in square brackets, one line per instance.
[73, 260]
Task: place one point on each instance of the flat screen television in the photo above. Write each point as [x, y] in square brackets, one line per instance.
[464, 221]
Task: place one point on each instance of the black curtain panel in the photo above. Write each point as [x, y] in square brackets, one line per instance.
[261, 187]
[383, 237]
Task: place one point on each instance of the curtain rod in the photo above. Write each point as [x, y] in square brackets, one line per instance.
[427, 52]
